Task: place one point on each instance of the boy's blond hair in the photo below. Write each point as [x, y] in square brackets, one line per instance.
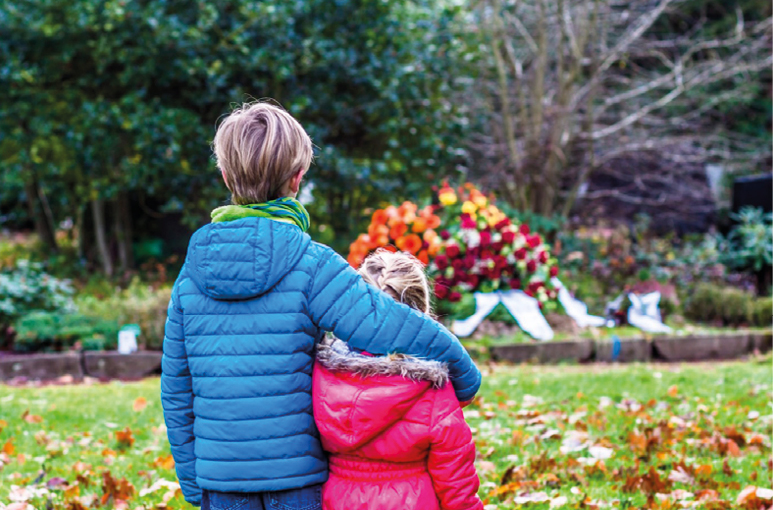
[400, 275]
[258, 147]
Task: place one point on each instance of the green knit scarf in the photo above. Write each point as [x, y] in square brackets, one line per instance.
[285, 209]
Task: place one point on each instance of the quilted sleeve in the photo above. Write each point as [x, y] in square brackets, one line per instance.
[177, 401]
[340, 301]
[452, 457]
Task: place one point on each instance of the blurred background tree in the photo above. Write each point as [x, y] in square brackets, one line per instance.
[642, 93]
[108, 107]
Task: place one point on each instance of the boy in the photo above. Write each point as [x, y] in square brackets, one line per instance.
[253, 298]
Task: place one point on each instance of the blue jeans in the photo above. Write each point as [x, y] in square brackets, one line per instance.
[307, 498]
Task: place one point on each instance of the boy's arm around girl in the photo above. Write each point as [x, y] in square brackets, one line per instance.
[338, 300]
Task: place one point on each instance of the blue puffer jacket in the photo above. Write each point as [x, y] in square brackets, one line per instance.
[250, 303]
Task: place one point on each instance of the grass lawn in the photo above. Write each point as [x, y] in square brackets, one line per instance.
[662, 436]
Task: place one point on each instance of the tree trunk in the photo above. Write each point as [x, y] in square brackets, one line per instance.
[80, 230]
[43, 226]
[98, 211]
[123, 230]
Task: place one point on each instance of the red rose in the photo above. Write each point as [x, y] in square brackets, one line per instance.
[502, 224]
[500, 262]
[508, 237]
[535, 286]
[543, 257]
[520, 253]
[485, 239]
[515, 283]
[444, 235]
[452, 250]
[486, 255]
[467, 221]
[441, 291]
[454, 297]
[458, 264]
[533, 241]
[441, 261]
[529, 293]
[531, 266]
[554, 271]
[469, 262]
[525, 229]
[473, 280]
[497, 247]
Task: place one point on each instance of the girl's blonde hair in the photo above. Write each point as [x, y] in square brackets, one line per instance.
[258, 147]
[400, 275]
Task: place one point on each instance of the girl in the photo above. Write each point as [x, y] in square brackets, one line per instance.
[394, 430]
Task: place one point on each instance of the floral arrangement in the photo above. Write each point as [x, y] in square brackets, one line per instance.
[467, 243]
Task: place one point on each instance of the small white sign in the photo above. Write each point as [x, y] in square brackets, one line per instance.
[127, 341]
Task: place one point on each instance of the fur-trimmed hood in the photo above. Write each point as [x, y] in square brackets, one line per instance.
[359, 397]
[335, 355]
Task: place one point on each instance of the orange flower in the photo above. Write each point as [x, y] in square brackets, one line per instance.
[419, 225]
[355, 259]
[433, 221]
[391, 213]
[429, 236]
[390, 247]
[434, 248]
[398, 230]
[410, 243]
[423, 257]
[376, 231]
[407, 211]
[379, 217]
[382, 240]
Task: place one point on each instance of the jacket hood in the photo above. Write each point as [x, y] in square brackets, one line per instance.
[363, 395]
[245, 258]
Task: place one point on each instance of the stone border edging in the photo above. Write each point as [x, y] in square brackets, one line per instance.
[111, 365]
[679, 348]
[97, 364]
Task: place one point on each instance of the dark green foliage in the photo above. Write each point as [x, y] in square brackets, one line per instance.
[728, 306]
[107, 98]
[45, 331]
[26, 288]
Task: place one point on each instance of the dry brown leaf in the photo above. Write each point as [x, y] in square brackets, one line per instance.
[705, 469]
[747, 495]
[33, 418]
[139, 404]
[732, 448]
[164, 462]
[8, 447]
[124, 437]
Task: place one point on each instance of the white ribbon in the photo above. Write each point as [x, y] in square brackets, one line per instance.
[644, 313]
[484, 305]
[575, 308]
[524, 309]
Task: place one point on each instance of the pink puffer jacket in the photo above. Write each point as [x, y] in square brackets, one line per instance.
[395, 433]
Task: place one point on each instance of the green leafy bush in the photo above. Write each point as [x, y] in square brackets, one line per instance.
[139, 303]
[762, 312]
[728, 306]
[46, 331]
[751, 245]
[27, 287]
